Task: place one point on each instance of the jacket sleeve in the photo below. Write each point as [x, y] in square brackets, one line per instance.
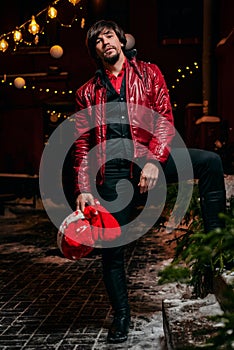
[82, 144]
[160, 143]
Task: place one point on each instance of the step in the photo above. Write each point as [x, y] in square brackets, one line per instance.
[186, 323]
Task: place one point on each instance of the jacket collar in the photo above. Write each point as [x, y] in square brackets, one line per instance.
[99, 77]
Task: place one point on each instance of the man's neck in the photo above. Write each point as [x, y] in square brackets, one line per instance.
[117, 67]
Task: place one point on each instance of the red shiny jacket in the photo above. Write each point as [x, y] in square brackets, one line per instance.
[150, 118]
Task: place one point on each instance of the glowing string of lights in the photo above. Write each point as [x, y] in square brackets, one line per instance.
[183, 73]
[20, 84]
[31, 27]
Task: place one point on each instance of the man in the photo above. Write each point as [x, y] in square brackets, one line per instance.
[132, 146]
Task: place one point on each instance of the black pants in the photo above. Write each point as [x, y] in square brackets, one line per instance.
[206, 167]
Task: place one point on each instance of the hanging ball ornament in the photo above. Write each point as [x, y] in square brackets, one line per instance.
[130, 41]
[19, 82]
[56, 51]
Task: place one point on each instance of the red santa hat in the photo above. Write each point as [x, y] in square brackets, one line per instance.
[80, 232]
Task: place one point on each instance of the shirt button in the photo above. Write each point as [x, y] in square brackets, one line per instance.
[122, 117]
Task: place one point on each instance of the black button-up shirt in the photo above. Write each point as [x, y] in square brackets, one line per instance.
[119, 143]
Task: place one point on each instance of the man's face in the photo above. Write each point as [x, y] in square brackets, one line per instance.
[108, 46]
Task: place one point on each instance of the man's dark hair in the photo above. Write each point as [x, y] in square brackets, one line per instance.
[96, 29]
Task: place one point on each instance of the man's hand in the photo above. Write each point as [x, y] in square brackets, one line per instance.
[82, 199]
[148, 178]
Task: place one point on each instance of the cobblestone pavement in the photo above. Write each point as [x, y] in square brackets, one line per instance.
[49, 302]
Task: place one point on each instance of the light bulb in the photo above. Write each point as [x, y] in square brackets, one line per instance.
[33, 27]
[74, 2]
[36, 39]
[82, 24]
[17, 35]
[52, 12]
[3, 45]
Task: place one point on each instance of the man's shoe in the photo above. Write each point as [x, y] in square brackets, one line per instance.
[118, 332]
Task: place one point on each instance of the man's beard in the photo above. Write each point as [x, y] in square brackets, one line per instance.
[111, 59]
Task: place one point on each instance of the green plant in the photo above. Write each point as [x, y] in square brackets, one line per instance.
[224, 337]
[199, 257]
[205, 255]
[173, 273]
[192, 216]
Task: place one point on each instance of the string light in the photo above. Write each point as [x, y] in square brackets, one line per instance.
[82, 24]
[52, 12]
[16, 83]
[36, 39]
[183, 73]
[46, 90]
[3, 45]
[74, 2]
[31, 26]
[17, 35]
